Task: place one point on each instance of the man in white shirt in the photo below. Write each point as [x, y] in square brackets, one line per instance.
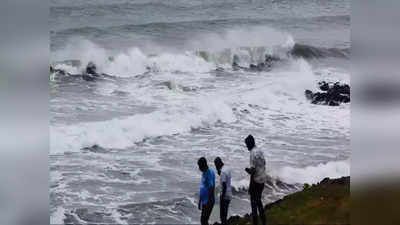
[226, 190]
[257, 179]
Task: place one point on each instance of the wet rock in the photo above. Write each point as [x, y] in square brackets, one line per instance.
[245, 111]
[324, 86]
[266, 65]
[91, 72]
[95, 149]
[332, 94]
[58, 71]
[91, 68]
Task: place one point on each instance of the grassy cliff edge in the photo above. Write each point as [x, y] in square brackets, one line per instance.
[325, 203]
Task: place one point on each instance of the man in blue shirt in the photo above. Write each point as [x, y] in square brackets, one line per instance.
[207, 185]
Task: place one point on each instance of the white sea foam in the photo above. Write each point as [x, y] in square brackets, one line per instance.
[248, 37]
[131, 62]
[242, 184]
[57, 217]
[314, 174]
[124, 132]
[249, 44]
[68, 68]
[281, 93]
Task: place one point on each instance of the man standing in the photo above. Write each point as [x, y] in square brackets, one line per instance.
[226, 191]
[207, 200]
[257, 179]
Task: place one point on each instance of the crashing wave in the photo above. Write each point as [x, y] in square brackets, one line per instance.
[135, 62]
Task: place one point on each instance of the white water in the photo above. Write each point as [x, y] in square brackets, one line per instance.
[314, 174]
[124, 132]
[180, 109]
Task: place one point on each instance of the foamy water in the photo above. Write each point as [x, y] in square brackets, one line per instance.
[165, 105]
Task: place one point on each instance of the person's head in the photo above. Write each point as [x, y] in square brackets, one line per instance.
[202, 163]
[250, 143]
[218, 164]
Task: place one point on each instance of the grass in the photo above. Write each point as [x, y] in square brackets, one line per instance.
[327, 202]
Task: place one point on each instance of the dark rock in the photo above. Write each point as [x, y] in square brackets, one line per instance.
[332, 94]
[59, 71]
[245, 111]
[95, 149]
[333, 103]
[91, 69]
[253, 67]
[309, 94]
[324, 86]
[263, 66]
[91, 72]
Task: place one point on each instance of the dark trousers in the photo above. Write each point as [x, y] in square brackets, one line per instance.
[256, 190]
[223, 210]
[205, 213]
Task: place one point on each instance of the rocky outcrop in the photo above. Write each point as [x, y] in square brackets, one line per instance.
[95, 148]
[90, 73]
[332, 94]
[269, 61]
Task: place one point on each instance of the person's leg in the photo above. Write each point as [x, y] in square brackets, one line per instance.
[205, 214]
[210, 208]
[203, 219]
[260, 188]
[253, 201]
[224, 211]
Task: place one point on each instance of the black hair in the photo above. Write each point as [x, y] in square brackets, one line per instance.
[218, 161]
[250, 141]
[202, 162]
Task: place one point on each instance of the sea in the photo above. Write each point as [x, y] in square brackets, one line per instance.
[124, 147]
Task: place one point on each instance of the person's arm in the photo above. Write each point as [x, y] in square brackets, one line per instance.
[210, 195]
[211, 185]
[199, 203]
[250, 170]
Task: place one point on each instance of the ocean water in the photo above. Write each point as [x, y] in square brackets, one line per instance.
[165, 104]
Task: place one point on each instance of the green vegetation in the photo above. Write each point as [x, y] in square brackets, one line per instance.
[327, 202]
